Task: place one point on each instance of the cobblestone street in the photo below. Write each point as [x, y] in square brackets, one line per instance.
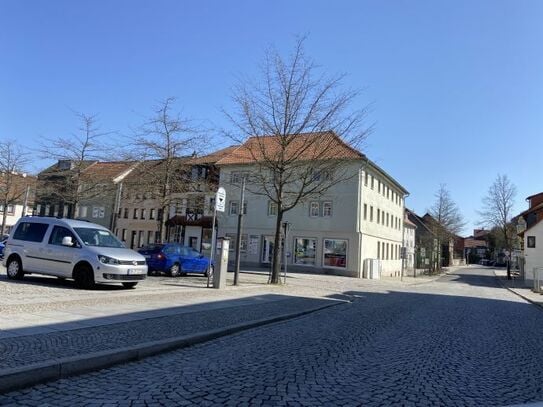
[459, 340]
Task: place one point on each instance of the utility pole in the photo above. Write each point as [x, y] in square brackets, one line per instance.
[238, 237]
[286, 227]
[25, 202]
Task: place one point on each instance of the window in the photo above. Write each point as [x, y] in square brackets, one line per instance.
[379, 186]
[388, 192]
[305, 251]
[378, 215]
[232, 237]
[135, 215]
[149, 237]
[272, 208]
[365, 211]
[387, 220]
[59, 233]
[11, 210]
[530, 242]
[327, 209]
[234, 208]
[378, 250]
[372, 179]
[123, 236]
[142, 213]
[387, 253]
[366, 177]
[371, 213]
[125, 213]
[98, 211]
[83, 212]
[237, 177]
[314, 209]
[152, 213]
[31, 232]
[320, 175]
[335, 253]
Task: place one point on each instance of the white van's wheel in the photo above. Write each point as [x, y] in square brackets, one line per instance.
[14, 268]
[84, 277]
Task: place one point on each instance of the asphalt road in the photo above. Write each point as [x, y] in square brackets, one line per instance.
[460, 340]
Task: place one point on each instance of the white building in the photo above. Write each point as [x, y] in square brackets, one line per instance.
[356, 220]
[409, 230]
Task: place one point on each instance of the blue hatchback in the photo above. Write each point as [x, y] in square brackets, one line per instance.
[175, 259]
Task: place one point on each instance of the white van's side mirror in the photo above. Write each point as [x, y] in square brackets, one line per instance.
[67, 241]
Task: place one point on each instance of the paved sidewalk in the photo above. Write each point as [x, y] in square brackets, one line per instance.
[518, 287]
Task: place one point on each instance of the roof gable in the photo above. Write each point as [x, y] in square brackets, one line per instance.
[302, 147]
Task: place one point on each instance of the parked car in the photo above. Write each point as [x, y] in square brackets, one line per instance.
[67, 248]
[2, 247]
[175, 259]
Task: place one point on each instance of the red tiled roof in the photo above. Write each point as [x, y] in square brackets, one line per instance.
[107, 170]
[303, 147]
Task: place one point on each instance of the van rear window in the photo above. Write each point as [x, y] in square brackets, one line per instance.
[30, 231]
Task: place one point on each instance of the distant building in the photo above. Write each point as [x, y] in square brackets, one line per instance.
[16, 200]
[409, 239]
[530, 227]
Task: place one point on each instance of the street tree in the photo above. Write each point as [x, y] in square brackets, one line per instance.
[498, 210]
[65, 182]
[13, 188]
[164, 146]
[292, 121]
[447, 221]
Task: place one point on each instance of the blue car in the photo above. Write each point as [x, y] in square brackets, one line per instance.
[2, 246]
[175, 259]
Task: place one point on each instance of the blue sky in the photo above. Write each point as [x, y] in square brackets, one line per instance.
[457, 86]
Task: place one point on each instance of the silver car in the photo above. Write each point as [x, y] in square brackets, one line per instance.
[66, 248]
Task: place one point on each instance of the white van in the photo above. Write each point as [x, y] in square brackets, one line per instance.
[66, 248]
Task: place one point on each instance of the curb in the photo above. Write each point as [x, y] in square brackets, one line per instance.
[20, 377]
[538, 304]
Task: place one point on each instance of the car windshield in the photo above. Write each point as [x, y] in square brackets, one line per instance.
[97, 237]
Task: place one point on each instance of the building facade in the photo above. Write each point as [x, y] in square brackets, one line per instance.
[339, 231]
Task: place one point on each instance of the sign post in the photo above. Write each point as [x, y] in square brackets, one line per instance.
[220, 204]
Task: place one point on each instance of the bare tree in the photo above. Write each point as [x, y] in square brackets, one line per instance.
[498, 210]
[297, 121]
[67, 184]
[13, 160]
[447, 219]
[164, 144]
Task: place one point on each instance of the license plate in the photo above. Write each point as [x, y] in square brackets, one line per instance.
[134, 271]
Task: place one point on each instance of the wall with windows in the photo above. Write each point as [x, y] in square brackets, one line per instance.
[330, 233]
[382, 211]
[323, 229]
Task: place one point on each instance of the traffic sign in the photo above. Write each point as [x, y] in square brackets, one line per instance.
[220, 200]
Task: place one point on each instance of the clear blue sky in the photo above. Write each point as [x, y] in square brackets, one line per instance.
[457, 85]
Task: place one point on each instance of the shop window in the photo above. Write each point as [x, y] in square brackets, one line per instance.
[305, 251]
[335, 253]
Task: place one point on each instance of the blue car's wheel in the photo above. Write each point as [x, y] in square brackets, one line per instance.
[175, 270]
[209, 271]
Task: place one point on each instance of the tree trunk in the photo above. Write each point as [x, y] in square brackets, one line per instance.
[276, 264]
[4, 218]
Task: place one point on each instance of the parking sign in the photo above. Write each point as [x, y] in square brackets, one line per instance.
[220, 200]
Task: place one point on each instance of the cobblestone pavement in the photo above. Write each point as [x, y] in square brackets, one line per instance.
[459, 340]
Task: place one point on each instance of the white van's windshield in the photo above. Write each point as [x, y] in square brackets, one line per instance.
[97, 237]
